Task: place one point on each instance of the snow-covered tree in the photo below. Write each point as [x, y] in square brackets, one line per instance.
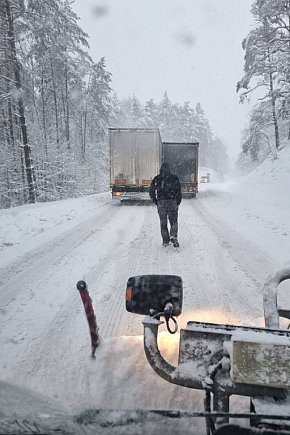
[261, 65]
[12, 104]
[267, 60]
[151, 113]
[167, 112]
[50, 88]
[136, 113]
[204, 135]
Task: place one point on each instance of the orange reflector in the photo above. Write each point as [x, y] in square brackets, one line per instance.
[129, 293]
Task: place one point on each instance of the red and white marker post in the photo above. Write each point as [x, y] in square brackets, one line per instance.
[88, 306]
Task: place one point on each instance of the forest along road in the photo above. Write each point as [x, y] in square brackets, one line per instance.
[224, 259]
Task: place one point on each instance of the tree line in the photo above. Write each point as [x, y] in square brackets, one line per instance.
[177, 123]
[56, 104]
[267, 74]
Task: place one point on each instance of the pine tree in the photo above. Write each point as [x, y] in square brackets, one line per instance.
[204, 135]
[136, 113]
[262, 61]
[151, 113]
[167, 112]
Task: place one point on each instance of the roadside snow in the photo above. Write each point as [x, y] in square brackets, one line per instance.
[28, 226]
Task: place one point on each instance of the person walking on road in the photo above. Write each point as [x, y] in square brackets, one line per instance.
[165, 192]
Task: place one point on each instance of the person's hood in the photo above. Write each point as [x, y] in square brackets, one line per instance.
[165, 169]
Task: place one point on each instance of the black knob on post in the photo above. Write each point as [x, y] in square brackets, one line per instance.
[81, 285]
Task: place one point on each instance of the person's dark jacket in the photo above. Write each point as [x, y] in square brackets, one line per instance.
[165, 186]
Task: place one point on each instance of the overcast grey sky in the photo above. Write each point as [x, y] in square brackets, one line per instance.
[189, 48]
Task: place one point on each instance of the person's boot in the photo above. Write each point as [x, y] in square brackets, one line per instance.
[165, 243]
[174, 241]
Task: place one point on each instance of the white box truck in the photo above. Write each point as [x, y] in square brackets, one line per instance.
[135, 159]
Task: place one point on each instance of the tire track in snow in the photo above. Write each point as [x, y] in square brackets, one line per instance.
[35, 294]
[32, 265]
[144, 255]
[235, 269]
[216, 288]
[134, 261]
[200, 291]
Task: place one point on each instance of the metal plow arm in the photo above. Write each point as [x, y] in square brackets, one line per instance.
[271, 312]
[156, 360]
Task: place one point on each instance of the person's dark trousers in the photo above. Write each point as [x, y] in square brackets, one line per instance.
[168, 210]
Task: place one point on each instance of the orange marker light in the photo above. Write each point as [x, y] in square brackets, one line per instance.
[129, 293]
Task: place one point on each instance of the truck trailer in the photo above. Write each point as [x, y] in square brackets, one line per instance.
[135, 159]
[182, 158]
[136, 155]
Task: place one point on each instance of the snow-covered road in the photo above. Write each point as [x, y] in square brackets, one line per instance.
[229, 245]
